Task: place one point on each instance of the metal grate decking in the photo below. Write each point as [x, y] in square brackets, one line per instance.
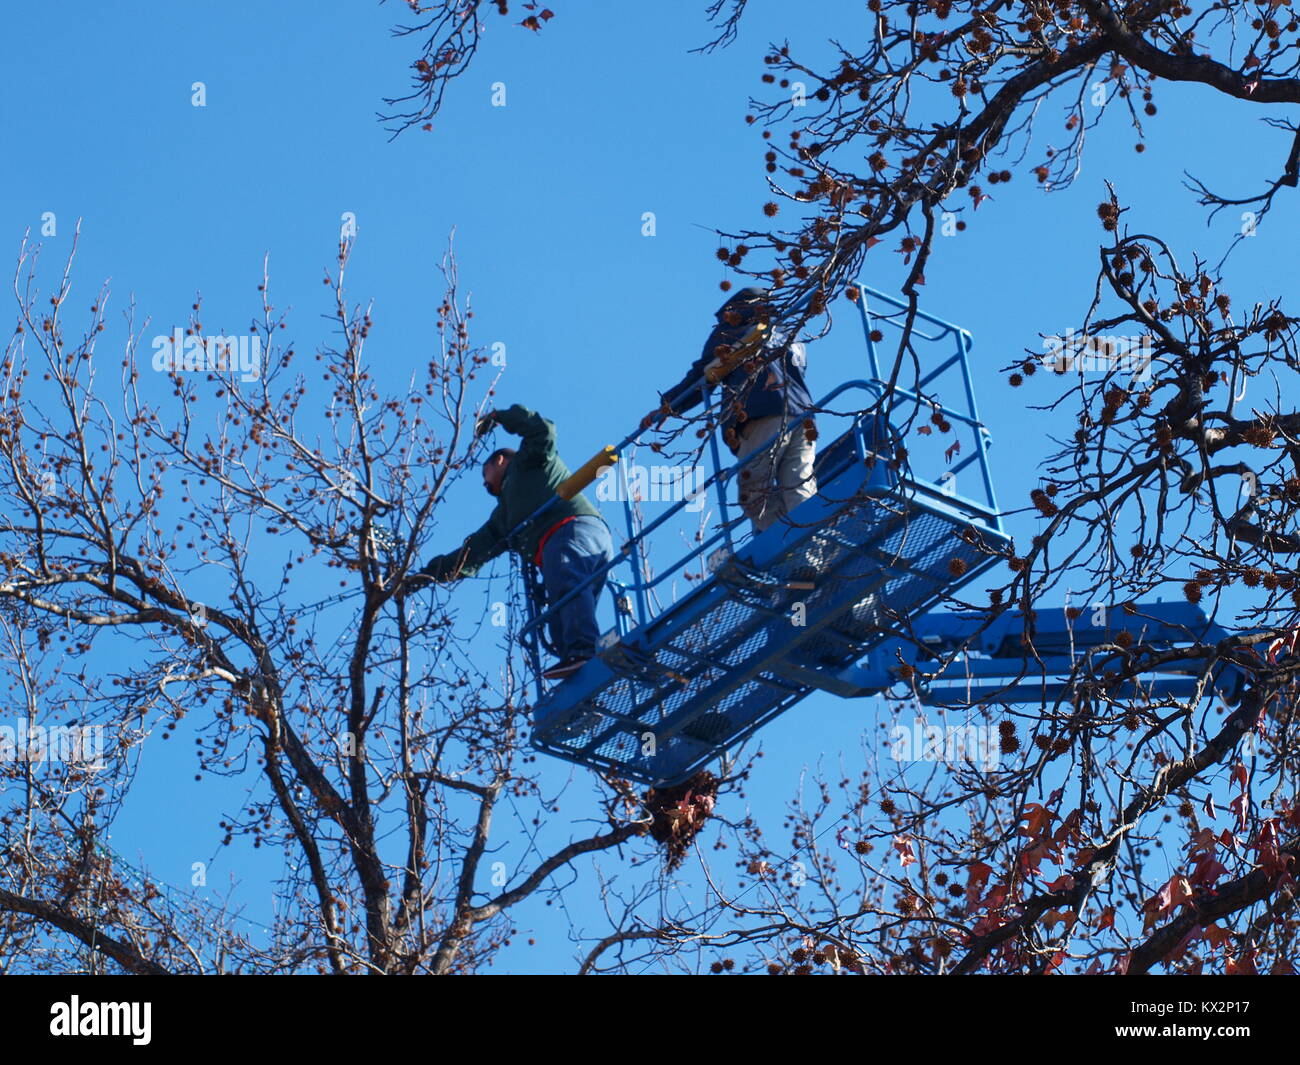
[753, 639]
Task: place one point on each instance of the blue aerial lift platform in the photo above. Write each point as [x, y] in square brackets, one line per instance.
[844, 595]
[791, 610]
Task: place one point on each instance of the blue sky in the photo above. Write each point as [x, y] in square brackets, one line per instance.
[608, 116]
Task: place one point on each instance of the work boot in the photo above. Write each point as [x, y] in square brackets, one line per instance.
[565, 669]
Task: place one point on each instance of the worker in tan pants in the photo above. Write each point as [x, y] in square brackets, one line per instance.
[765, 404]
[778, 475]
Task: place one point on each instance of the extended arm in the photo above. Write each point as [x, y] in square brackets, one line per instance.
[480, 547]
[686, 393]
[537, 432]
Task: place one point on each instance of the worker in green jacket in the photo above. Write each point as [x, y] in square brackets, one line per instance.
[569, 541]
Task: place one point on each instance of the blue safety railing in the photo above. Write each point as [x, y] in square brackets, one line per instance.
[958, 360]
[632, 594]
[675, 684]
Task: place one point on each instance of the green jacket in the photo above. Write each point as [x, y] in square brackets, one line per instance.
[530, 480]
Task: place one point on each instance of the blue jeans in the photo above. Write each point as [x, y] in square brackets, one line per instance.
[573, 553]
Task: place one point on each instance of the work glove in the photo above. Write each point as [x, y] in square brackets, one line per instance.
[414, 582]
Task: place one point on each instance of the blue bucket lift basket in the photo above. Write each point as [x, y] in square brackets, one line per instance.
[794, 609]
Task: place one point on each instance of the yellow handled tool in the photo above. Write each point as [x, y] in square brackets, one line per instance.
[586, 473]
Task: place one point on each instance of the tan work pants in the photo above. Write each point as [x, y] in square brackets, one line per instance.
[775, 482]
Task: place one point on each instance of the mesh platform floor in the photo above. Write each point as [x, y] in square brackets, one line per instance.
[729, 657]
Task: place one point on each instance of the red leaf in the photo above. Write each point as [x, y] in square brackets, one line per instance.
[978, 876]
[1243, 967]
[1216, 936]
[903, 844]
[1175, 893]
[1032, 857]
[1037, 820]
[1208, 870]
[1241, 807]
[1269, 855]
